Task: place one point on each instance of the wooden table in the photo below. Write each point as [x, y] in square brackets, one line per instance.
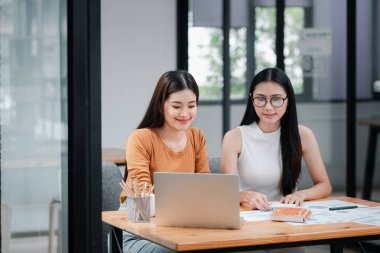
[374, 130]
[114, 155]
[252, 235]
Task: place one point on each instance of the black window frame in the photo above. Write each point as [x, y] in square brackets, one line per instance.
[84, 127]
[183, 56]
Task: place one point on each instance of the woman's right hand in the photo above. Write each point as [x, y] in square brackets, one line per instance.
[255, 200]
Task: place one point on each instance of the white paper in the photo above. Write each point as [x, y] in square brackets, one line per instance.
[256, 215]
[326, 204]
[322, 215]
[275, 205]
[368, 216]
[315, 41]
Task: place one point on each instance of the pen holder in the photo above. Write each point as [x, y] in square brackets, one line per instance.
[138, 209]
[152, 205]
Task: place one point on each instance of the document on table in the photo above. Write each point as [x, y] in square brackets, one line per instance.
[257, 215]
[276, 204]
[322, 214]
[367, 216]
[327, 204]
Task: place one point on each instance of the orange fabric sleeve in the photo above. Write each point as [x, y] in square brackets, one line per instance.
[201, 158]
[138, 160]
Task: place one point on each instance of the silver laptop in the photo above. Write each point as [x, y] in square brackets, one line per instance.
[197, 200]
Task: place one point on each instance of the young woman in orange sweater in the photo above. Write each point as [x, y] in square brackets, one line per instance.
[164, 141]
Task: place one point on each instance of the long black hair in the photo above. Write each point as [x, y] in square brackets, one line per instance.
[290, 141]
[169, 82]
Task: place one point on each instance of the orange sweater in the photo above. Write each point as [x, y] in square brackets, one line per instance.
[146, 153]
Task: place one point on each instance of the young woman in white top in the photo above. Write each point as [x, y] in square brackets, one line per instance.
[267, 148]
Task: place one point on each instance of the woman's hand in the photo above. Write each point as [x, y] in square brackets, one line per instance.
[255, 200]
[294, 198]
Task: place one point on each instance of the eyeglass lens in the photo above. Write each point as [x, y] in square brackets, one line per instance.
[275, 101]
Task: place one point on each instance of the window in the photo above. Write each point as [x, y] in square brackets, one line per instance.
[205, 60]
[33, 129]
[252, 45]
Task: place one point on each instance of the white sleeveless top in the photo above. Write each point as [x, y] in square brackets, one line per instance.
[260, 163]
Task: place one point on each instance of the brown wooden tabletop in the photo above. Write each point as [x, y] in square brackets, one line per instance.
[252, 233]
[114, 155]
[370, 122]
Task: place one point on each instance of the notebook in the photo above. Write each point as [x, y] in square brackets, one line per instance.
[291, 214]
[197, 200]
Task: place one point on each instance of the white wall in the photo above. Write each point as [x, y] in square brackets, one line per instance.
[138, 45]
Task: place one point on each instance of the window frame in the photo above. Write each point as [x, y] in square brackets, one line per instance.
[183, 55]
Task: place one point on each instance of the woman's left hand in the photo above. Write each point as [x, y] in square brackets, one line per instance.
[294, 198]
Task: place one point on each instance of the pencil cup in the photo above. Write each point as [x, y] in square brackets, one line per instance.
[138, 209]
[152, 205]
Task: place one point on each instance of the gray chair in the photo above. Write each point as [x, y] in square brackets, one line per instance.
[214, 164]
[111, 189]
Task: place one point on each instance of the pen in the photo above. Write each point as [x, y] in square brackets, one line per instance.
[342, 208]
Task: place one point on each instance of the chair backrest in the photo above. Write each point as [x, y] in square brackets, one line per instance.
[214, 164]
[111, 177]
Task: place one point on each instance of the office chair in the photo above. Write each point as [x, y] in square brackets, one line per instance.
[214, 164]
[111, 189]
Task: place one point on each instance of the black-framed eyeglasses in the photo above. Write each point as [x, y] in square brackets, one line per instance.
[274, 101]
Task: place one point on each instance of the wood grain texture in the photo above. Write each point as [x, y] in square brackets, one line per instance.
[370, 122]
[114, 155]
[251, 233]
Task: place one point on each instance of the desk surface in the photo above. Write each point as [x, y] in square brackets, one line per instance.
[251, 233]
[114, 155]
[370, 122]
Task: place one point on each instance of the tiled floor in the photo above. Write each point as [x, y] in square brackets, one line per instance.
[40, 244]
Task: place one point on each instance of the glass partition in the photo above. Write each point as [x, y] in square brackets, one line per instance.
[33, 125]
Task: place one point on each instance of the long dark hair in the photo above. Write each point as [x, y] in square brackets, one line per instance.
[290, 141]
[169, 82]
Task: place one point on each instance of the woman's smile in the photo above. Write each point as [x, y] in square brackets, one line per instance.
[184, 121]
